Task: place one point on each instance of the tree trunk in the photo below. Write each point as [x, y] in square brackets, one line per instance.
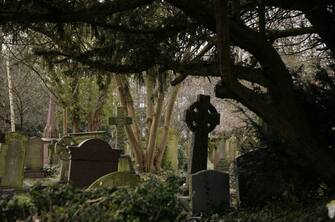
[150, 85]
[75, 105]
[11, 97]
[153, 131]
[95, 122]
[64, 121]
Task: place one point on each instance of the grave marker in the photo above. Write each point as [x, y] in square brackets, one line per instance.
[171, 152]
[227, 154]
[2, 137]
[121, 120]
[117, 179]
[210, 191]
[201, 117]
[63, 154]
[34, 158]
[50, 133]
[91, 160]
[12, 157]
[82, 136]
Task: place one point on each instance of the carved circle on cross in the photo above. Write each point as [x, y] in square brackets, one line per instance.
[202, 115]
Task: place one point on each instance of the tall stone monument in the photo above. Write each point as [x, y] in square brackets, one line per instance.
[50, 133]
[12, 159]
[201, 118]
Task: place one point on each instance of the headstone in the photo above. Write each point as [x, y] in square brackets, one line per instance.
[70, 140]
[227, 154]
[121, 120]
[125, 164]
[201, 117]
[82, 136]
[2, 137]
[12, 158]
[117, 179]
[90, 160]
[171, 151]
[260, 177]
[210, 191]
[63, 154]
[34, 158]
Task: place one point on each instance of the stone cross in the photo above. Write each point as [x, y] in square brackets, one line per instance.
[121, 120]
[201, 117]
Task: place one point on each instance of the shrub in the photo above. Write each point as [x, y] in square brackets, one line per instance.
[153, 200]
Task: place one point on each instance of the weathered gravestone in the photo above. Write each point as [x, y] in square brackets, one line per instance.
[171, 152]
[117, 179]
[90, 160]
[12, 158]
[260, 177]
[125, 164]
[201, 117]
[210, 191]
[121, 120]
[63, 154]
[2, 137]
[227, 154]
[82, 136]
[72, 139]
[34, 158]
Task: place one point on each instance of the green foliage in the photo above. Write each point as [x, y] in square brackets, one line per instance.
[278, 212]
[13, 208]
[50, 171]
[154, 200]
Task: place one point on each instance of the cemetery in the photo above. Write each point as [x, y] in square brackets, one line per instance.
[167, 110]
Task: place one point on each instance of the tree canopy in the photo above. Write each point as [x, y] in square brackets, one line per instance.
[132, 36]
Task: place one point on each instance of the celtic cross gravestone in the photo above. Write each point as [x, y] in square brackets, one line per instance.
[201, 117]
[121, 120]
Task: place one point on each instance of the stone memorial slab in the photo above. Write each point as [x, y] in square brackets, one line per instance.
[12, 160]
[82, 136]
[261, 177]
[2, 137]
[210, 191]
[91, 160]
[121, 120]
[63, 154]
[125, 164]
[171, 151]
[34, 158]
[227, 153]
[117, 179]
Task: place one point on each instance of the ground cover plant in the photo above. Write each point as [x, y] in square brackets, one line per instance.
[154, 200]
